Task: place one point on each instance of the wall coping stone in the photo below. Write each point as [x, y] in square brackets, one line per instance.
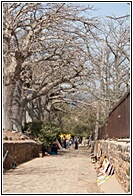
[124, 143]
[21, 141]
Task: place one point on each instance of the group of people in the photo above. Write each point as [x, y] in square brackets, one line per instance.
[73, 141]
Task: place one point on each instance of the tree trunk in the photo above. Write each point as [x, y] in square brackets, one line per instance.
[17, 116]
[101, 88]
[7, 106]
[17, 110]
[97, 120]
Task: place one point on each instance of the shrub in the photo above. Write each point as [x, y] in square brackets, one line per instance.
[34, 127]
[45, 132]
[48, 133]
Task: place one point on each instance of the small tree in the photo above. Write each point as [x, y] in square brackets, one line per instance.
[48, 133]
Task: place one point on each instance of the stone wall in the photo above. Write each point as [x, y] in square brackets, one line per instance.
[118, 153]
[20, 152]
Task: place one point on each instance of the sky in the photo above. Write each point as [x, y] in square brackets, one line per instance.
[112, 8]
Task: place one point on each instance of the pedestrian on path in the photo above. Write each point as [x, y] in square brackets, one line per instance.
[70, 143]
[64, 143]
[76, 143]
[89, 141]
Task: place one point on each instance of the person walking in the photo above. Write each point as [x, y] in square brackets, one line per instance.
[64, 143]
[76, 143]
[70, 143]
[89, 141]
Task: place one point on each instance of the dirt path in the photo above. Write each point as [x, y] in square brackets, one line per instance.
[70, 171]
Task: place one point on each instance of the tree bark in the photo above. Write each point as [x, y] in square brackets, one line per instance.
[7, 106]
[17, 108]
[100, 92]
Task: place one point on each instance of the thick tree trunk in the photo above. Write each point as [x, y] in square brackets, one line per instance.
[17, 110]
[7, 106]
[17, 116]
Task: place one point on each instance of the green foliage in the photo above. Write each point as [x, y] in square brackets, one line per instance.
[45, 132]
[48, 133]
[81, 129]
[34, 127]
[78, 119]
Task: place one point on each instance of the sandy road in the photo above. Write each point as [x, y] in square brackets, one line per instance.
[71, 171]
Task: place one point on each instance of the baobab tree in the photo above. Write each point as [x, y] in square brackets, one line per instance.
[41, 39]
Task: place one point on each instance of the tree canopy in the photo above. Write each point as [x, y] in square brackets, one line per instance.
[57, 55]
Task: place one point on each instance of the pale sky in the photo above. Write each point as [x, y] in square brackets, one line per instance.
[111, 8]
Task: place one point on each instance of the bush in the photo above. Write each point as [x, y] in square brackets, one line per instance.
[48, 133]
[34, 127]
[45, 132]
